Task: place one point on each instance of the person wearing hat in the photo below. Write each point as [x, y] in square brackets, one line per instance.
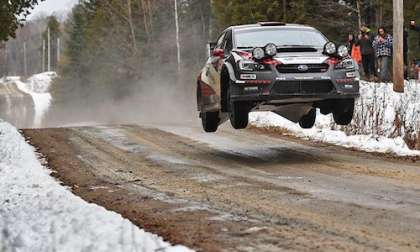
[367, 51]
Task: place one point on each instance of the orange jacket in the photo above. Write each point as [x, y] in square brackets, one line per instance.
[356, 54]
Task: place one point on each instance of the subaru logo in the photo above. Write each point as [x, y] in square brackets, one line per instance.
[303, 68]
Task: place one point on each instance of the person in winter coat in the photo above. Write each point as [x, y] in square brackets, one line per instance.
[383, 49]
[405, 53]
[368, 57]
[354, 48]
[415, 27]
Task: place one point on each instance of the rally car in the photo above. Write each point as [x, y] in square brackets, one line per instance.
[288, 69]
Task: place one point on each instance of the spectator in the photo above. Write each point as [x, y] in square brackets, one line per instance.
[354, 48]
[415, 27]
[368, 57]
[383, 50]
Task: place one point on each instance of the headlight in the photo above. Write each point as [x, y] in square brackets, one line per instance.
[330, 48]
[271, 49]
[343, 51]
[258, 53]
[247, 65]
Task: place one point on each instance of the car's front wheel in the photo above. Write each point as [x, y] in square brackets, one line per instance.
[343, 111]
[210, 121]
[308, 121]
[239, 115]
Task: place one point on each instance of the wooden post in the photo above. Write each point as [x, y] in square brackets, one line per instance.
[398, 70]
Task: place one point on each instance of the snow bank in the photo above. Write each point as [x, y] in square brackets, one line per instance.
[38, 214]
[38, 87]
[384, 121]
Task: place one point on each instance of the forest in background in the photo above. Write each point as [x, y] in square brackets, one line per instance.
[123, 53]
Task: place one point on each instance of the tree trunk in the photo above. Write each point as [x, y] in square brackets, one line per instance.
[130, 23]
[284, 10]
[359, 12]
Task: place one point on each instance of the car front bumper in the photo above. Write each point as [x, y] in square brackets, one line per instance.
[297, 88]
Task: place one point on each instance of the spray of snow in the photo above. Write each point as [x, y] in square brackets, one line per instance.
[382, 119]
[38, 214]
[38, 87]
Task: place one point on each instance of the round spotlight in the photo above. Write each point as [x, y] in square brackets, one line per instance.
[342, 51]
[258, 53]
[330, 48]
[271, 49]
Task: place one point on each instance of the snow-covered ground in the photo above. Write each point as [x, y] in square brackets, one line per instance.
[383, 121]
[38, 214]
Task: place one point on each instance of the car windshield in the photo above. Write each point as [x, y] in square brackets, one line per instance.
[279, 36]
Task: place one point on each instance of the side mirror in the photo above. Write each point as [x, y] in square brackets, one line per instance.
[210, 48]
[218, 53]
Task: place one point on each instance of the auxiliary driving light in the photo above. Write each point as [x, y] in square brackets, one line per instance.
[330, 48]
[271, 49]
[343, 51]
[258, 53]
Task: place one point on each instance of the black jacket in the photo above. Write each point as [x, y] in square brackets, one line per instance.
[416, 28]
[366, 47]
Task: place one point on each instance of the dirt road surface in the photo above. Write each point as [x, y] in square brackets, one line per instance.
[240, 190]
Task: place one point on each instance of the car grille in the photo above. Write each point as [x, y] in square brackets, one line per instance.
[294, 68]
[303, 87]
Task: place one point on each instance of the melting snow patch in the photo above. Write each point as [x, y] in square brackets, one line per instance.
[369, 143]
[38, 214]
[382, 119]
[38, 87]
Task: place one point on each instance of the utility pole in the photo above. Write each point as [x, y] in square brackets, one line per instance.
[43, 55]
[178, 46]
[49, 49]
[398, 69]
[58, 50]
[5, 68]
[25, 62]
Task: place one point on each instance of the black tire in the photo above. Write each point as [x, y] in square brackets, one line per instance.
[308, 121]
[238, 112]
[239, 115]
[210, 121]
[343, 111]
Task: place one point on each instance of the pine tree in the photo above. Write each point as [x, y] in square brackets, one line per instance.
[12, 15]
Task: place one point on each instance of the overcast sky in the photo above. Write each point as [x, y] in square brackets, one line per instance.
[50, 6]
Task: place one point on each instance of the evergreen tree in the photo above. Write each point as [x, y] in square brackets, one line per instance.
[12, 15]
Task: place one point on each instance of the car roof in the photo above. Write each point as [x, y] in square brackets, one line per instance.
[265, 25]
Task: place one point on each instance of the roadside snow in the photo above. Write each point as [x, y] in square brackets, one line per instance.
[38, 214]
[374, 128]
[38, 87]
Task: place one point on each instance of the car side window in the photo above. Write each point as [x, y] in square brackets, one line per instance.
[220, 41]
[228, 43]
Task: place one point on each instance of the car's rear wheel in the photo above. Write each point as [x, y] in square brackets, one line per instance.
[308, 121]
[343, 111]
[210, 121]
